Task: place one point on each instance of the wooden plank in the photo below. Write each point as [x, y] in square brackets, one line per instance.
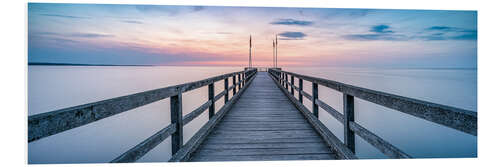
[195, 113]
[263, 145]
[266, 151]
[301, 87]
[211, 108]
[223, 93]
[243, 128]
[226, 89]
[188, 149]
[349, 117]
[337, 115]
[176, 118]
[260, 122]
[456, 118]
[260, 125]
[333, 142]
[235, 139]
[314, 97]
[297, 133]
[379, 143]
[282, 157]
[147, 145]
[306, 95]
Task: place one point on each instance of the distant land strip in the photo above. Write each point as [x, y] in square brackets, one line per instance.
[71, 64]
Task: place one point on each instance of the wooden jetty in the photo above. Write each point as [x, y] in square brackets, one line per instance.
[263, 120]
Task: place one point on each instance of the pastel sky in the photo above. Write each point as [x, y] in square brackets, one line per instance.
[207, 35]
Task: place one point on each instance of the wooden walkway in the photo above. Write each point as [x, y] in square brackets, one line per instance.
[263, 125]
[263, 120]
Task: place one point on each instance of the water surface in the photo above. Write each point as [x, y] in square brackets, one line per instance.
[56, 87]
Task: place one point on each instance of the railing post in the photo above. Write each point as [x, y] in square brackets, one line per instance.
[176, 118]
[234, 85]
[293, 84]
[281, 78]
[226, 86]
[314, 97]
[244, 75]
[301, 87]
[239, 81]
[348, 116]
[211, 109]
[286, 82]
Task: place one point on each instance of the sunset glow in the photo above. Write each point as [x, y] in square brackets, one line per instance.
[201, 35]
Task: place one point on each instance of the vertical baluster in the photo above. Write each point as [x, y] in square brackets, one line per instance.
[211, 109]
[293, 84]
[244, 78]
[281, 78]
[234, 85]
[239, 81]
[176, 118]
[226, 86]
[301, 87]
[348, 116]
[286, 82]
[314, 97]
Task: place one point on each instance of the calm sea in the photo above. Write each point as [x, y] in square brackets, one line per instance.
[56, 87]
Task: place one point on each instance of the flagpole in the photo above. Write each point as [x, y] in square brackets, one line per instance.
[276, 59]
[274, 65]
[250, 53]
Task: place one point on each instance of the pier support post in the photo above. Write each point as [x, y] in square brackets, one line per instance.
[314, 97]
[226, 86]
[301, 87]
[293, 84]
[211, 109]
[234, 85]
[176, 118]
[348, 116]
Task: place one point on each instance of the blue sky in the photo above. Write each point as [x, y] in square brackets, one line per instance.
[206, 35]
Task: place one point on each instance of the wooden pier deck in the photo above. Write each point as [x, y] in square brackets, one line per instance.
[265, 119]
[263, 125]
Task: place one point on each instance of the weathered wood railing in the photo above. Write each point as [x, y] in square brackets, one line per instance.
[459, 119]
[50, 123]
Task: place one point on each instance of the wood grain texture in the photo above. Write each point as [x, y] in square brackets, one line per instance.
[456, 118]
[263, 125]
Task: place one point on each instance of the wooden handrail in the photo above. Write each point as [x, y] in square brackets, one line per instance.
[50, 123]
[459, 119]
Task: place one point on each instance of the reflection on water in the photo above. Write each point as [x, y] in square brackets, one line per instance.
[55, 87]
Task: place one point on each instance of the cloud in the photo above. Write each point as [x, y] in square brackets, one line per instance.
[436, 33]
[381, 29]
[90, 35]
[433, 33]
[291, 22]
[132, 22]
[373, 37]
[64, 16]
[292, 35]
[378, 32]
